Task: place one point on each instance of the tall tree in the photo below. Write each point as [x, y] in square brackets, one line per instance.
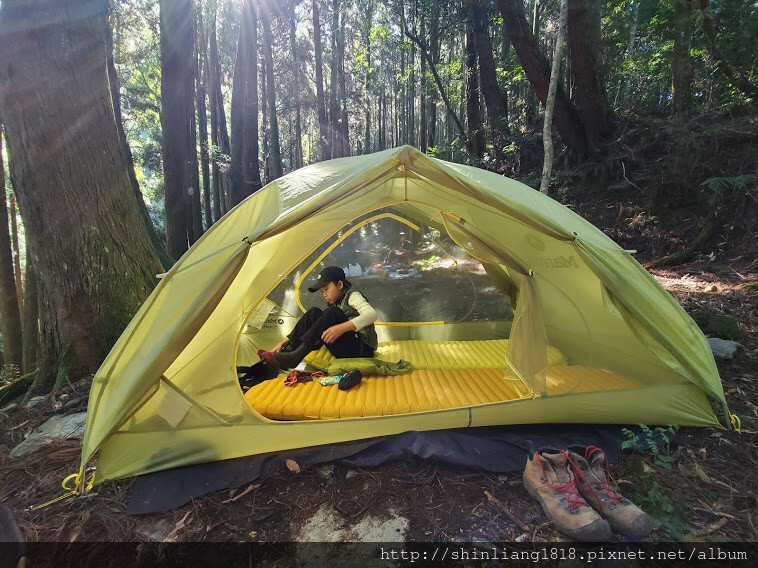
[475, 140]
[265, 128]
[126, 151]
[297, 156]
[423, 88]
[202, 114]
[547, 131]
[10, 316]
[367, 26]
[681, 62]
[30, 323]
[438, 81]
[736, 77]
[244, 170]
[344, 129]
[434, 58]
[537, 70]
[497, 104]
[268, 42]
[213, 99]
[16, 250]
[335, 139]
[325, 151]
[95, 263]
[588, 89]
[624, 82]
[177, 25]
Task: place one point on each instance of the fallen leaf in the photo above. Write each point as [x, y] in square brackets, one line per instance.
[292, 466]
[701, 474]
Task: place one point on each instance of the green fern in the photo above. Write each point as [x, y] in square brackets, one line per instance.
[726, 183]
[716, 187]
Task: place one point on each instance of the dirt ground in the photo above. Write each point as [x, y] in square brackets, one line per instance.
[702, 486]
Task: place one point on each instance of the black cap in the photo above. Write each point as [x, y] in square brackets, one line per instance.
[329, 274]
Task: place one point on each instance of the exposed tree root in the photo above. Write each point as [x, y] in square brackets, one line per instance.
[17, 388]
[712, 226]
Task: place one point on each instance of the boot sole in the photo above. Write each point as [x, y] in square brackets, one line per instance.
[587, 533]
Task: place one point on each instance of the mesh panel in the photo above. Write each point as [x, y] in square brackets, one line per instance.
[411, 272]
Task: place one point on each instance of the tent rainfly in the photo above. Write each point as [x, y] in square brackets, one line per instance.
[167, 394]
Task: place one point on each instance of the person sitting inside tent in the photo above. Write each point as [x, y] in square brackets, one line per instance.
[346, 326]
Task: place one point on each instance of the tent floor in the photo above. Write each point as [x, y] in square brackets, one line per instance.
[418, 391]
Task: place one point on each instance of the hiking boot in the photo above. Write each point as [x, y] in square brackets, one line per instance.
[591, 473]
[548, 479]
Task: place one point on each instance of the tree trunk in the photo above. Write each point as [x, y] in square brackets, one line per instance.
[344, 129]
[214, 90]
[497, 105]
[588, 90]
[438, 81]
[95, 263]
[537, 70]
[202, 113]
[30, 324]
[126, 153]
[624, 82]
[297, 157]
[434, 55]
[736, 78]
[177, 23]
[382, 114]
[325, 151]
[555, 72]
[197, 209]
[410, 126]
[268, 42]
[367, 84]
[334, 113]
[264, 126]
[244, 170]
[15, 249]
[423, 88]
[10, 316]
[475, 139]
[681, 63]
[530, 100]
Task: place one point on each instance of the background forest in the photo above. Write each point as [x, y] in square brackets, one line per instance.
[130, 127]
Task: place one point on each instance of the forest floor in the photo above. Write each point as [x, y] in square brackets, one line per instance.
[702, 486]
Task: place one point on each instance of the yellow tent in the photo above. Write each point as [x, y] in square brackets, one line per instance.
[594, 338]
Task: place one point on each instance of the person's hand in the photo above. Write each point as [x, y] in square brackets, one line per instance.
[332, 334]
[280, 345]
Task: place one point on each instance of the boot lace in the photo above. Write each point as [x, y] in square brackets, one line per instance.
[569, 490]
[614, 496]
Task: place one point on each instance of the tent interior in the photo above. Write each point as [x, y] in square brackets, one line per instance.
[446, 300]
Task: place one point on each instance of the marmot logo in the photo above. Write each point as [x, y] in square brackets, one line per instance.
[559, 262]
[534, 242]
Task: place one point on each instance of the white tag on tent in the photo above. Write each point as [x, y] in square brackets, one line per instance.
[259, 315]
[172, 406]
